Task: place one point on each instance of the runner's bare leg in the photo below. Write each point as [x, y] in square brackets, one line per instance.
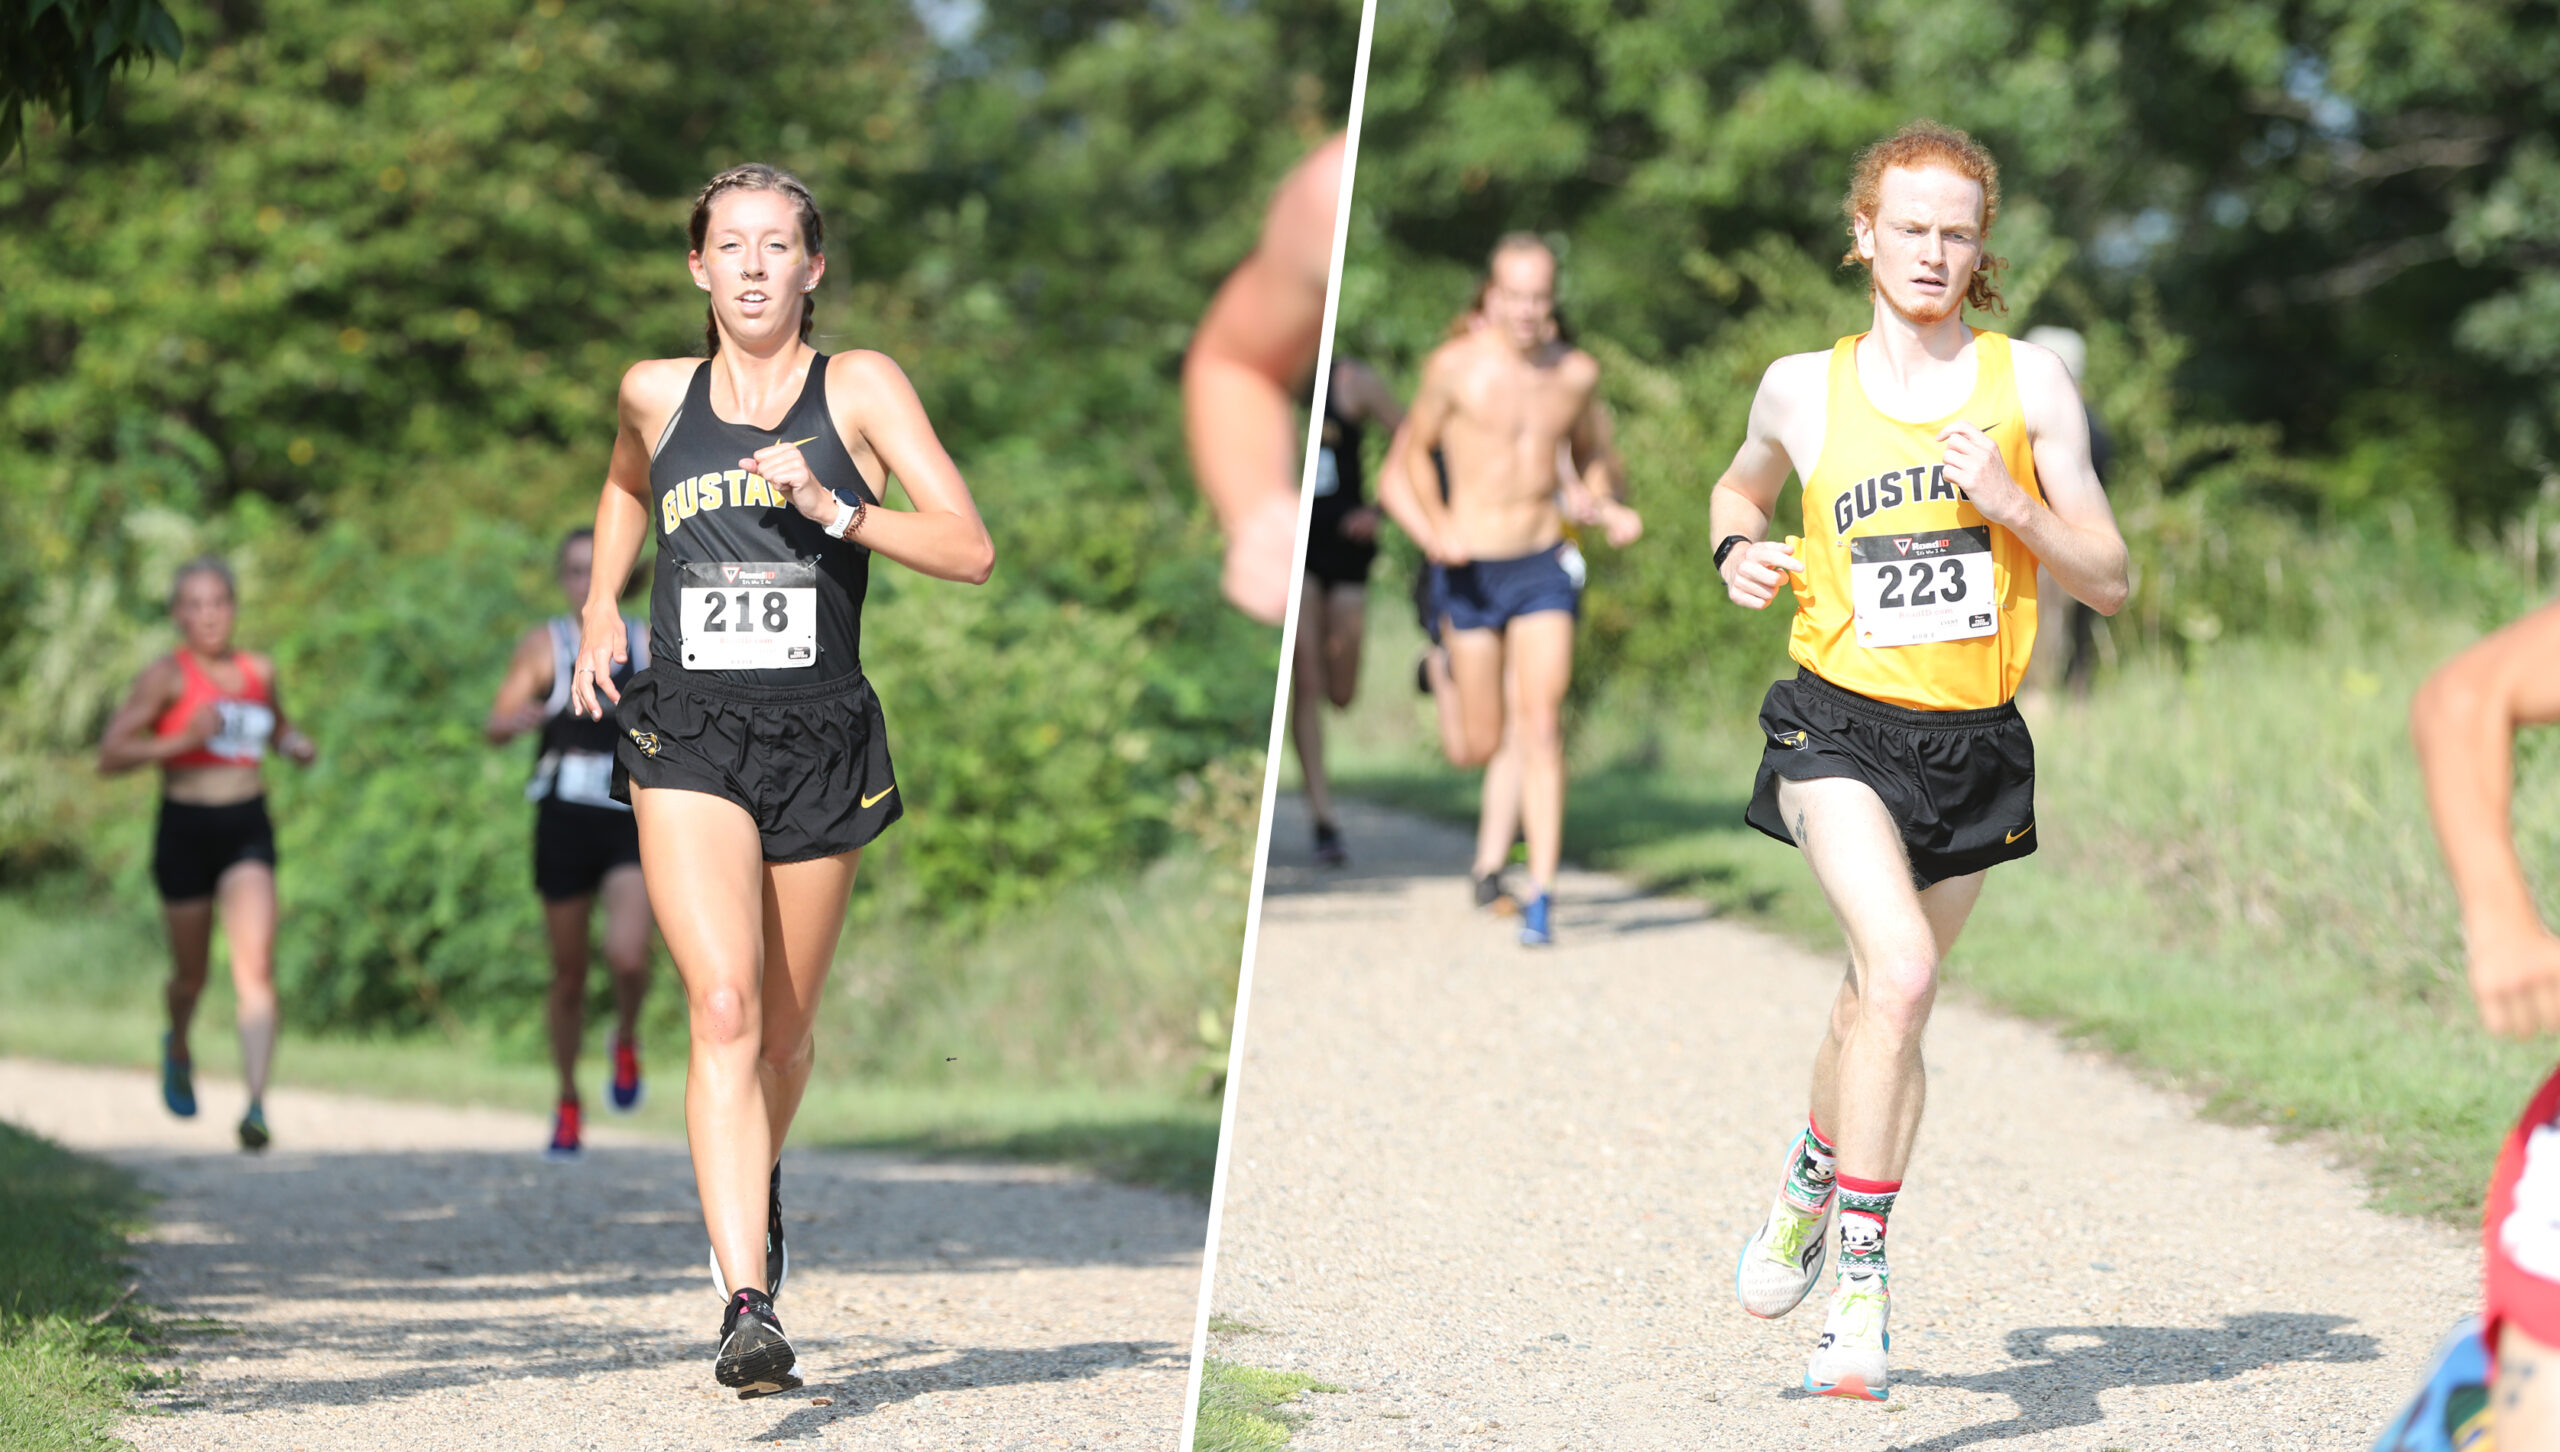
[1540, 647]
[190, 959]
[2527, 1391]
[705, 865]
[1498, 814]
[247, 894]
[626, 946]
[1868, 1083]
[565, 1014]
[1310, 687]
[804, 904]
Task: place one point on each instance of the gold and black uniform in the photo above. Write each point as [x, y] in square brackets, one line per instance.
[1915, 617]
[754, 690]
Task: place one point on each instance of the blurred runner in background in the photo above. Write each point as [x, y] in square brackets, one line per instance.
[1342, 543]
[585, 844]
[1504, 399]
[205, 714]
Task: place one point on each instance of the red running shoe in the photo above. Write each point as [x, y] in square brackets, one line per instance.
[564, 1132]
[624, 1090]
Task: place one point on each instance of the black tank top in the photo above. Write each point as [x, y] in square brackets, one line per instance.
[1340, 488]
[759, 581]
[573, 756]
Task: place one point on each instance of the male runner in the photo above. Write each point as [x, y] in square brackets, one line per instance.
[1940, 466]
[1240, 383]
[2464, 723]
[584, 845]
[1498, 402]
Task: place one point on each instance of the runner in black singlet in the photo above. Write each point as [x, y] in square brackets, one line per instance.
[585, 845]
[752, 750]
[1342, 538]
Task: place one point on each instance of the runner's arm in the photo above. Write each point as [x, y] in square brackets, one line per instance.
[2463, 723]
[651, 392]
[128, 742]
[1240, 383]
[290, 739]
[1370, 397]
[942, 535]
[1428, 520]
[2073, 533]
[1746, 498]
[1601, 474]
[528, 678]
[1396, 491]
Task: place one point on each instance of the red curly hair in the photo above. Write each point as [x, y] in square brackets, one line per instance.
[1918, 146]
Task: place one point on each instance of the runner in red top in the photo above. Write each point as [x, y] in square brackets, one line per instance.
[205, 714]
[2464, 724]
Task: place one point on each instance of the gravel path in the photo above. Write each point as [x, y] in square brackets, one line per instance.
[403, 1275]
[1497, 1195]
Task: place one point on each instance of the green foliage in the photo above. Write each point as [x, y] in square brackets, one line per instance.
[59, 55]
[348, 297]
[2311, 248]
[68, 1352]
[1245, 1407]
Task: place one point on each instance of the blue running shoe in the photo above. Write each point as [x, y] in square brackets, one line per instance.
[1535, 931]
[177, 1080]
[253, 1128]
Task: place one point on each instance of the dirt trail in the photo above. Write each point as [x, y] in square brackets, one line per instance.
[1497, 1194]
[402, 1275]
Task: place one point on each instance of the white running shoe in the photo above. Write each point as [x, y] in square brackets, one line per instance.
[1849, 1360]
[1781, 1260]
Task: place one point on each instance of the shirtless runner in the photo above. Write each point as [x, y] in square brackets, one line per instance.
[1941, 464]
[1497, 403]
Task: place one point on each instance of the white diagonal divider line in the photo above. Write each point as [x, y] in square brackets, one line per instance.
[1279, 722]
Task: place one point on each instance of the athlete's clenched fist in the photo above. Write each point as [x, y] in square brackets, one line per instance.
[1974, 465]
[2517, 984]
[785, 467]
[1753, 572]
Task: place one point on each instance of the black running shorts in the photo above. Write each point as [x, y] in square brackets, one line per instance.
[195, 845]
[1960, 784]
[810, 764]
[575, 845]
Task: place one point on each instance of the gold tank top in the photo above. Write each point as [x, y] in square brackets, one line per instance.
[1908, 595]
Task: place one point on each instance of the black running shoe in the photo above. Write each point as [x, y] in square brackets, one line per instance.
[1490, 893]
[1329, 849]
[755, 1357]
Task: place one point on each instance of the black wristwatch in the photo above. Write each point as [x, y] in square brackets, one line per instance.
[1725, 546]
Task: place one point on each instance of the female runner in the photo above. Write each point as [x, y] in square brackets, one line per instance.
[204, 714]
[752, 750]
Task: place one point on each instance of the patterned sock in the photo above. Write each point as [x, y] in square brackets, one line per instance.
[1809, 1174]
[1864, 1204]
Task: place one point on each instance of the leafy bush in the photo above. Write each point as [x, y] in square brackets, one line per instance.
[346, 296]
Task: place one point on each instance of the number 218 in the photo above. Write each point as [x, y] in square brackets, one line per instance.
[777, 614]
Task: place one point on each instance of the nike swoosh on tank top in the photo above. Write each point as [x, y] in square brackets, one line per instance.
[709, 513]
[1888, 537]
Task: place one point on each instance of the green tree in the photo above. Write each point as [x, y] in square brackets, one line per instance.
[60, 56]
[349, 296]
